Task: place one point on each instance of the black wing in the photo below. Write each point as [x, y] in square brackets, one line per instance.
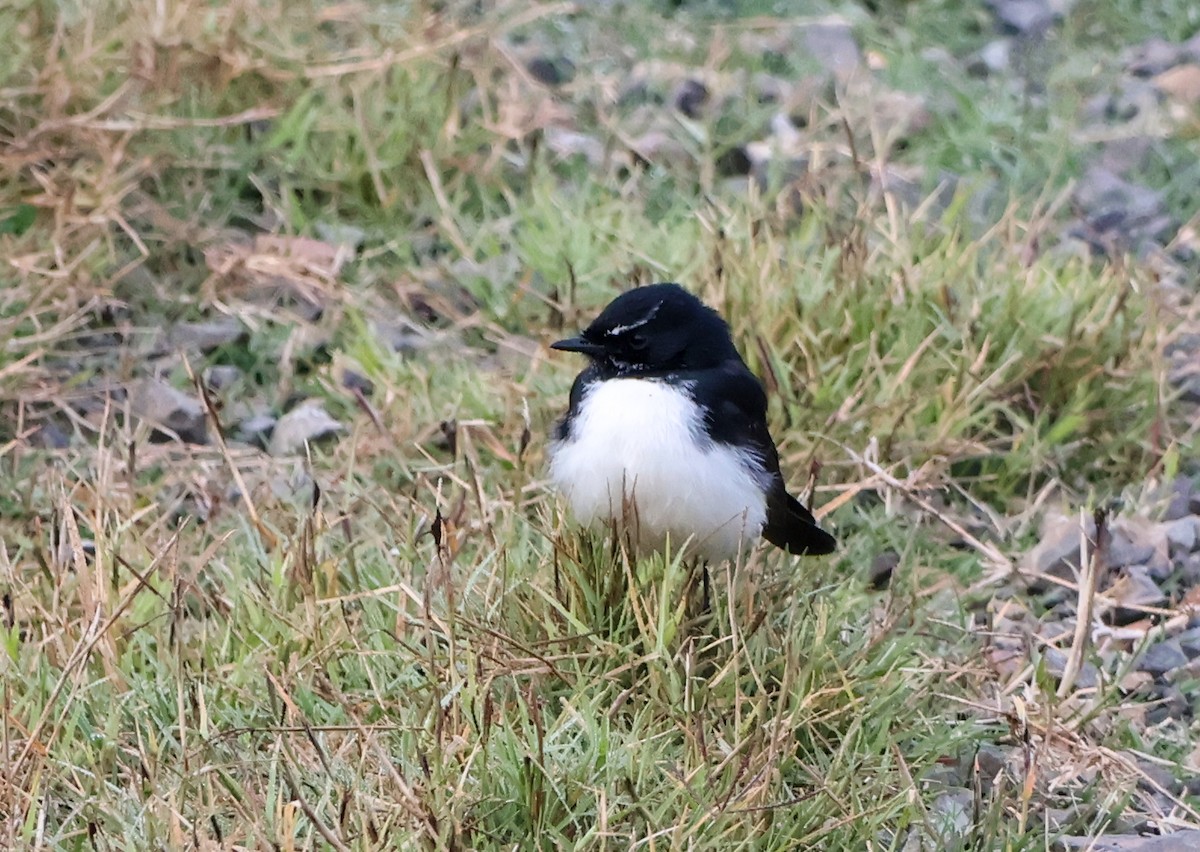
[563, 428]
[735, 408]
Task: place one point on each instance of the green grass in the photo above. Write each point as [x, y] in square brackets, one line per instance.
[289, 658]
[510, 701]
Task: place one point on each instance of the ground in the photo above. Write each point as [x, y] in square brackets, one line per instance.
[279, 564]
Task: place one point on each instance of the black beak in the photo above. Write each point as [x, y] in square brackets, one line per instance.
[578, 344]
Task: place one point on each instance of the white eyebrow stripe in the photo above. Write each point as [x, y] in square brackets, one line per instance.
[621, 329]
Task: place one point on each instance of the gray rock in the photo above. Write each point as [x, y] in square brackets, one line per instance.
[1180, 841]
[1024, 17]
[1061, 819]
[735, 186]
[995, 57]
[1180, 490]
[1137, 684]
[1006, 648]
[1119, 214]
[1169, 703]
[992, 762]
[50, 436]
[1189, 642]
[1154, 807]
[1157, 777]
[1124, 549]
[1138, 541]
[770, 166]
[831, 43]
[767, 88]
[256, 430]
[1132, 99]
[341, 234]
[903, 185]
[735, 163]
[937, 55]
[690, 97]
[170, 411]
[1159, 569]
[952, 813]
[943, 775]
[1187, 570]
[65, 555]
[1056, 555]
[401, 335]
[1182, 534]
[659, 146]
[570, 143]
[222, 376]
[1154, 57]
[901, 114]
[1057, 627]
[1134, 591]
[638, 91]
[206, 336]
[1162, 657]
[1184, 376]
[305, 424]
[354, 381]
[1126, 155]
[551, 70]
[1187, 345]
[1056, 664]
[882, 567]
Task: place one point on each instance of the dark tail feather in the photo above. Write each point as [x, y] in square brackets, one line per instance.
[792, 527]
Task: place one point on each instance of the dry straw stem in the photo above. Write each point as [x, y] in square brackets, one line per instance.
[97, 631]
[1093, 565]
[1002, 566]
[270, 540]
[1055, 753]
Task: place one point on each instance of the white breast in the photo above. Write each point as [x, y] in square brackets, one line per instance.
[635, 439]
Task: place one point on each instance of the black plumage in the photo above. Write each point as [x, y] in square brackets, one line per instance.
[663, 333]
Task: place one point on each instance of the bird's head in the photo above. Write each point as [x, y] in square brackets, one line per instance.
[654, 329]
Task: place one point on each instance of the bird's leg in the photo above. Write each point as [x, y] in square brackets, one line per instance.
[704, 579]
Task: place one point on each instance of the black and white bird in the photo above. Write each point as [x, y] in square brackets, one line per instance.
[666, 434]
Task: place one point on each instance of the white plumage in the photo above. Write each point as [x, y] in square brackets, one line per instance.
[643, 439]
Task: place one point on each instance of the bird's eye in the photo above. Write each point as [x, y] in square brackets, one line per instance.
[638, 342]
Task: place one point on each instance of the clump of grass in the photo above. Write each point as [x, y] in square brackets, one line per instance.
[934, 351]
[452, 697]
